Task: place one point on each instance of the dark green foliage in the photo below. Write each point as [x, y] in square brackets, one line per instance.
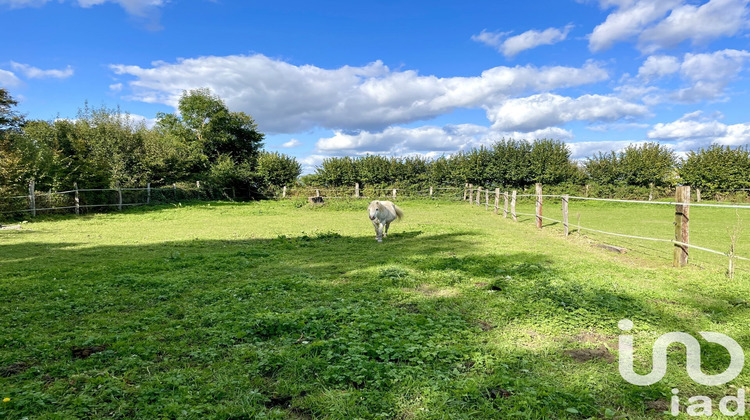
[507, 163]
[278, 169]
[636, 165]
[646, 164]
[717, 168]
[549, 162]
[105, 148]
[10, 119]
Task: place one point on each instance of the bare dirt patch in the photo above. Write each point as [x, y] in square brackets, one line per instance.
[584, 355]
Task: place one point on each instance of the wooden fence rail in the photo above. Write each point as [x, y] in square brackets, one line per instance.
[681, 241]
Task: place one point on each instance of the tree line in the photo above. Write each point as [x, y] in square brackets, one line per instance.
[205, 141]
[517, 164]
[105, 148]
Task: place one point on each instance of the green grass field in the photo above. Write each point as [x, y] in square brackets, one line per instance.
[280, 310]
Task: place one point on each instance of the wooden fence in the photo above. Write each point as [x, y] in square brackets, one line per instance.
[681, 203]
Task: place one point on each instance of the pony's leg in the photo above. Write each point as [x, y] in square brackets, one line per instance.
[376, 224]
[387, 225]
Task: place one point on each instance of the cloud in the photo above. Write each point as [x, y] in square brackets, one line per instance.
[9, 79]
[546, 110]
[667, 23]
[657, 66]
[285, 98]
[511, 46]
[692, 130]
[292, 143]
[627, 21]
[426, 140]
[699, 24]
[704, 77]
[709, 74]
[37, 73]
[585, 149]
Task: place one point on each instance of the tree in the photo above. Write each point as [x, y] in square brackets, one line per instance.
[10, 119]
[511, 162]
[717, 168]
[603, 168]
[277, 169]
[550, 162]
[647, 163]
[211, 133]
[338, 171]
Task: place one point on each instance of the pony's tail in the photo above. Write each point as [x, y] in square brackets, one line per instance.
[399, 213]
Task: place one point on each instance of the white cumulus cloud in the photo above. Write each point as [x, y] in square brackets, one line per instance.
[291, 143]
[694, 131]
[546, 110]
[513, 45]
[286, 98]
[426, 140]
[37, 73]
[666, 23]
[8, 78]
[628, 21]
[657, 66]
[699, 24]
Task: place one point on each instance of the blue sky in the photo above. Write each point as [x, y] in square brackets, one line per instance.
[335, 78]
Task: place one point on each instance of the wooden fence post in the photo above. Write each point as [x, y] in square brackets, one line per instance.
[650, 191]
[317, 192]
[505, 206]
[487, 199]
[565, 199]
[698, 195]
[119, 198]
[497, 200]
[681, 226]
[148, 193]
[77, 199]
[283, 192]
[356, 190]
[466, 188]
[513, 206]
[471, 194]
[538, 205]
[394, 193]
[430, 192]
[479, 194]
[32, 198]
[586, 194]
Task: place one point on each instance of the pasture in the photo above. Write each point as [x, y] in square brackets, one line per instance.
[281, 310]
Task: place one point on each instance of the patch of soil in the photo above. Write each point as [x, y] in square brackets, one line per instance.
[595, 338]
[658, 405]
[480, 284]
[484, 325]
[278, 402]
[584, 355]
[85, 352]
[498, 393]
[13, 369]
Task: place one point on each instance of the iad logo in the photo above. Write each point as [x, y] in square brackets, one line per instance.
[702, 405]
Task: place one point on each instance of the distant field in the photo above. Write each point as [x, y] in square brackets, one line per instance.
[279, 310]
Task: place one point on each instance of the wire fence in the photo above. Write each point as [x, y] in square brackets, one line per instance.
[680, 242]
[83, 200]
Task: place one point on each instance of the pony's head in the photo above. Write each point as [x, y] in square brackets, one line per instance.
[374, 209]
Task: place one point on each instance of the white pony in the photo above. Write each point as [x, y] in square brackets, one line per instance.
[382, 213]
